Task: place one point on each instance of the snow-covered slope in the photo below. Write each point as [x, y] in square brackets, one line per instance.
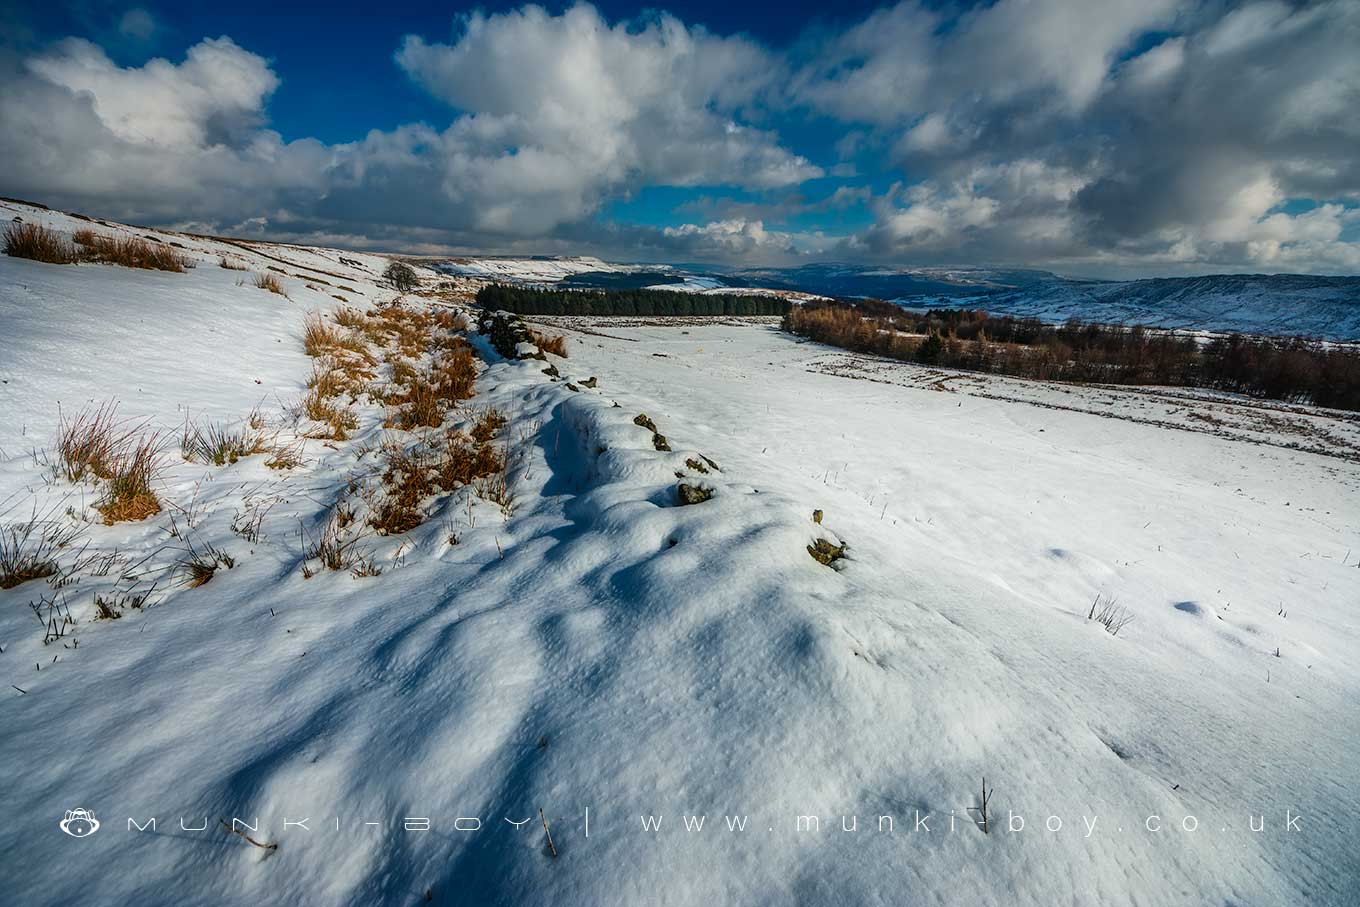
[1279, 304]
[687, 674]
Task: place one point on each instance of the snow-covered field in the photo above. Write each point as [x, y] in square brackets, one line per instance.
[675, 686]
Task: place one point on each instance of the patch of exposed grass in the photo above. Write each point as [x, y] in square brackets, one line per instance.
[217, 445]
[89, 442]
[319, 337]
[488, 423]
[550, 343]
[28, 549]
[129, 496]
[130, 252]
[271, 283]
[338, 419]
[38, 243]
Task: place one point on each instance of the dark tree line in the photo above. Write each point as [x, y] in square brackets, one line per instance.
[530, 301]
[1292, 369]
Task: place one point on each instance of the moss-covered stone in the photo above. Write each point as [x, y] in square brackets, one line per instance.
[825, 553]
[692, 494]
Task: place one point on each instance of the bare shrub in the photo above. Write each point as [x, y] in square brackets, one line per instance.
[39, 244]
[401, 276]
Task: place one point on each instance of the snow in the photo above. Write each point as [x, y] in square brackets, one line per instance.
[595, 646]
[532, 270]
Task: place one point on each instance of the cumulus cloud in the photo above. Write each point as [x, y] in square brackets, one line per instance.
[1176, 153]
[551, 116]
[570, 109]
[1084, 135]
[747, 240]
[216, 96]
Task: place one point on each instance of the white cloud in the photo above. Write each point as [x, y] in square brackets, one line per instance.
[217, 94]
[567, 110]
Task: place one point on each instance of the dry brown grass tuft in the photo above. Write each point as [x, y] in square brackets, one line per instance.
[318, 336]
[337, 418]
[218, 445]
[130, 252]
[551, 343]
[90, 442]
[350, 317]
[461, 463]
[403, 371]
[456, 372]
[271, 283]
[328, 379]
[129, 496]
[487, 425]
[285, 457]
[28, 549]
[421, 404]
[39, 244]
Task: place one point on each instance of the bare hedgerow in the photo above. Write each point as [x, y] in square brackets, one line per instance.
[38, 243]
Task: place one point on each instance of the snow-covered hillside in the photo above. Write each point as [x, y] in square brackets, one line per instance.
[680, 688]
[1276, 304]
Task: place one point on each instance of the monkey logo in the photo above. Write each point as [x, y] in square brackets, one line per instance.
[79, 823]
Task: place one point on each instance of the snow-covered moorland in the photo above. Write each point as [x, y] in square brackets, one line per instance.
[622, 617]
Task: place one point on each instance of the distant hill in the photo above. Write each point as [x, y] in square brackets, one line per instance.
[1279, 304]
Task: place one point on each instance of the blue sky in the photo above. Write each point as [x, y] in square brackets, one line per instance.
[1085, 136]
